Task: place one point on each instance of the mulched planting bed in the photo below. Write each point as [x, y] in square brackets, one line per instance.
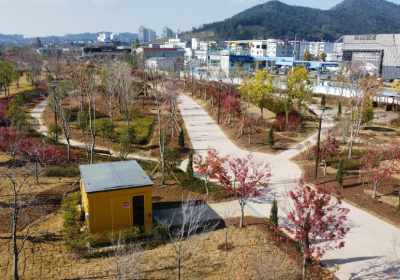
[353, 192]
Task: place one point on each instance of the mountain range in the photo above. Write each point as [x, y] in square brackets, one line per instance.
[275, 19]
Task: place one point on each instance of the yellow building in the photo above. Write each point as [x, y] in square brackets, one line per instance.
[116, 196]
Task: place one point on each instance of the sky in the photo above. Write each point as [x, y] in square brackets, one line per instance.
[33, 18]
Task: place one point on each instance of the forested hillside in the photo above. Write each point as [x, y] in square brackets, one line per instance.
[278, 20]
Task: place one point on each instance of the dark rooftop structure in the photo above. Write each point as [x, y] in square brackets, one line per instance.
[113, 176]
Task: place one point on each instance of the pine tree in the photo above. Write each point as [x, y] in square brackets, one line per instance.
[189, 167]
[339, 109]
[271, 140]
[323, 100]
[273, 216]
[339, 174]
[181, 140]
[39, 43]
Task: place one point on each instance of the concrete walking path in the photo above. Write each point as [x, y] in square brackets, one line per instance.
[368, 245]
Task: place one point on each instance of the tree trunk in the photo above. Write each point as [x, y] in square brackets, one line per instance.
[375, 187]
[304, 267]
[351, 148]
[207, 192]
[226, 238]
[37, 172]
[178, 266]
[14, 236]
[68, 148]
[242, 216]
[325, 168]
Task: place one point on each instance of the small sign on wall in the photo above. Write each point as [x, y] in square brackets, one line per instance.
[125, 204]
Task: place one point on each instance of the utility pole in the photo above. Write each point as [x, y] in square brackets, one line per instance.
[319, 136]
[219, 98]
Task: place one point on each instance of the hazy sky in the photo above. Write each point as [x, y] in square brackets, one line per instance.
[58, 17]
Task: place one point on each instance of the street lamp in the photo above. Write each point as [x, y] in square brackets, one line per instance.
[319, 136]
[192, 80]
[219, 98]
[209, 55]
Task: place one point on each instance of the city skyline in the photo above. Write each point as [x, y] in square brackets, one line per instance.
[33, 18]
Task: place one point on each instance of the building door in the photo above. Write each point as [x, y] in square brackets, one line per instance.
[138, 212]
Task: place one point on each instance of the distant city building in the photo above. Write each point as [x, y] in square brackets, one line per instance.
[171, 54]
[377, 53]
[146, 34]
[99, 51]
[195, 43]
[166, 32]
[56, 40]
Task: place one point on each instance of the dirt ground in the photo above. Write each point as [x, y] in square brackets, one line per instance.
[44, 257]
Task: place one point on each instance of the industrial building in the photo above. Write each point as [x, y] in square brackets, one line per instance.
[376, 53]
[105, 51]
[116, 195]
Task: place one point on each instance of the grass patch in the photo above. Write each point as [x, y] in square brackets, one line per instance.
[348, 164]
[197, 185]
[62, 171]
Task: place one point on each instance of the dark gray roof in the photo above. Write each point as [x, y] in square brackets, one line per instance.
[113, 176]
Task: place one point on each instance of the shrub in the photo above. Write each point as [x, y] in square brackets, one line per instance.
[54, 132]
[72, 237]
[277, 106]
[105, 129]
[172, 157]
[348, 164]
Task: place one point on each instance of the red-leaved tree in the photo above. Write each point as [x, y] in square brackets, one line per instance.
[328, 148]
[250, 123]
[244, 177]
[316, 219]
[210, 166]
[41, 154]
[381, 162]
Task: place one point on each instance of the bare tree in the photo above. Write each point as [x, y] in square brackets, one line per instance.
[34, 65]
[128, 257]
[61, 100]
[87, 78]
[193, 226]
[21, 210]
[362, 89]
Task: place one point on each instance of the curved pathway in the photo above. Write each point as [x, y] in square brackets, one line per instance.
[369, 242]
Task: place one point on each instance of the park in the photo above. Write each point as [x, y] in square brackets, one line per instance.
[265, 177]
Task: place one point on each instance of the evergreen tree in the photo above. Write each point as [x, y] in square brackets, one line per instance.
[339, 174]
[323, 100]
[273, 216]
[189, 167]
[181, 140]
[271, 140]
[339, 109]
[39, 43]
